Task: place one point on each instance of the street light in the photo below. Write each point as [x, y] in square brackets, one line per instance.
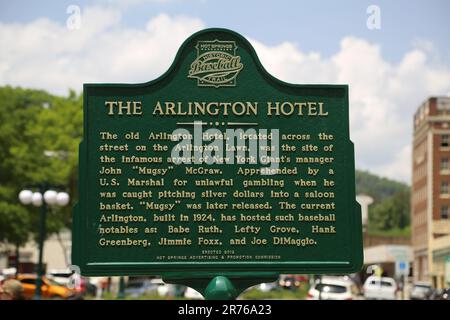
[45, 196]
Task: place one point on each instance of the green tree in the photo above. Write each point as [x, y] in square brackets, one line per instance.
[39, 137]
[18, 108]
[391, 207]
[379, 188]
[393, 213]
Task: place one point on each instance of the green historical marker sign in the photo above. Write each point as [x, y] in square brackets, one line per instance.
[216, 168]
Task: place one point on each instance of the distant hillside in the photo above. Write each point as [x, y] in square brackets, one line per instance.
[391, 208]
[377, 187]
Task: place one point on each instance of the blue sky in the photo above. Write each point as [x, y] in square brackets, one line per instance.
[313, 25]
[390, 71]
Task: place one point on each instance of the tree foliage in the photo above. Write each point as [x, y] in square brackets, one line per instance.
[34, 125]
[392, 213]
[379, 188]
[391, 207]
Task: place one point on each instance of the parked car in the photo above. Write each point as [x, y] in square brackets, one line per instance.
[291, 281]
[62, 276]
[193, 294]
[267, 286]
[288, 281]
[139, 287]
[444, 294]
[333, 289]
[50, 289]
[384, 288]
[421, 291]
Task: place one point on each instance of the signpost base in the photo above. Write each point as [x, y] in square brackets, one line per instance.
[222, 287]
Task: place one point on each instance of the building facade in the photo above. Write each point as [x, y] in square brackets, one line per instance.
[430, 196]
[56, 254]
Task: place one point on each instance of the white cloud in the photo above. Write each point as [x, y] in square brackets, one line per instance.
[383, 96]
[129, 3]
[48, 55]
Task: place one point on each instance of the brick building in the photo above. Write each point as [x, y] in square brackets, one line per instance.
[430, 197]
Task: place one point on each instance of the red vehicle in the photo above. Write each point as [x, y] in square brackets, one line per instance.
[291, 281]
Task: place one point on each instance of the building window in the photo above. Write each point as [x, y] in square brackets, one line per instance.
[444, 212]
[444, 140]
[444, 187]
[444, 164]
